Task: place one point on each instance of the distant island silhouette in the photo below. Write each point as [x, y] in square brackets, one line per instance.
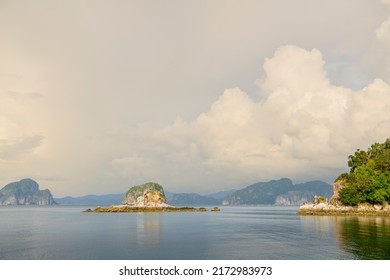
[25, 192]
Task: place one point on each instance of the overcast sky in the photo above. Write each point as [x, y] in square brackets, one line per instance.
[199, 96]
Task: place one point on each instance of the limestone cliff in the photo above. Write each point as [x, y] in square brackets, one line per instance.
[145, 195]
[292, 198]
[337, 186]
[25, 192]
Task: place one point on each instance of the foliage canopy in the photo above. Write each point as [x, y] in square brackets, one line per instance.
[369, 176]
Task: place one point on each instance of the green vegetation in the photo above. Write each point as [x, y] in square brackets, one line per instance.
[154, 190]
[369, 178]
[138, 191]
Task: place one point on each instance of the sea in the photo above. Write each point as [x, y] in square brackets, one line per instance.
[234, 233]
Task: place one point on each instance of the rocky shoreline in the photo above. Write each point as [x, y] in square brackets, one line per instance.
[333, 207]
[127, 208]
[329, 209]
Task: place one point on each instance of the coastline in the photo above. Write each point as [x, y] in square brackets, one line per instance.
[148, 209]
[328, 209]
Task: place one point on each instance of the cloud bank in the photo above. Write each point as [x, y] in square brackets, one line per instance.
[97, 96]
[304, 127]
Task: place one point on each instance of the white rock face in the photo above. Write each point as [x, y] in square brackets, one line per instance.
[294, 198]
[11, 200]
[146, 195]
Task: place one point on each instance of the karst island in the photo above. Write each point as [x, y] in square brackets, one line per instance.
[365, 190]
[147, 197]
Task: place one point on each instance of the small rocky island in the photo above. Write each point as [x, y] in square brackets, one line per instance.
[25, 192]
[147, 197]
[365, 190]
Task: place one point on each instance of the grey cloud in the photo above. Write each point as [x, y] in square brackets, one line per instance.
[79, 70]
[15, 148]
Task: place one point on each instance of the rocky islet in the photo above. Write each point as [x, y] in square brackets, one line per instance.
[147, 197]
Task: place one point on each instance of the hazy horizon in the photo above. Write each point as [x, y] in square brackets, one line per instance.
[199, 96]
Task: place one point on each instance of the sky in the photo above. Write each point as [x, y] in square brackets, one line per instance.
[98, 96]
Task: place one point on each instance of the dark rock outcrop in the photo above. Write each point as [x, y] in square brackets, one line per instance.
[25, 192]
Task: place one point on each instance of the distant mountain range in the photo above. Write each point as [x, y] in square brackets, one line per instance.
[97, 200]
[191, 199]
[175, 199]
[279, 192]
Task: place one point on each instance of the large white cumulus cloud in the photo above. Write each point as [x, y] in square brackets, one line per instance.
[304, 128]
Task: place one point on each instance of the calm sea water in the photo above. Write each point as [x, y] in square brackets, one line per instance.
[265, 232]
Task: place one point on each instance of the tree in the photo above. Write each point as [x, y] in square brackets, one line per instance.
[369, 176]
[349, 196]
[360, 158]
[383, 160]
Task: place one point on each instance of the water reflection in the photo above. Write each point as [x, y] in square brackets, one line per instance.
[148, 229]
[365, 237]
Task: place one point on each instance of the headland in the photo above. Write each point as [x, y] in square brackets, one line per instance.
[333, 206]
[365, 190]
